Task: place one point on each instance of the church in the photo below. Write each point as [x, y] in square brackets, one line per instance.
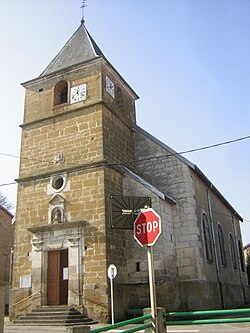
[86, 169]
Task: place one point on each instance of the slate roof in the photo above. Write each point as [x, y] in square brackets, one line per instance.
[80, 48]
[6, 211]
[146, 184]
[194, 167]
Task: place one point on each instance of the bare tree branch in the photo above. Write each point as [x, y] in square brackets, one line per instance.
[5, 202]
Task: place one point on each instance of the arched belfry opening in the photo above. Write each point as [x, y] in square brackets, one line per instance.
[61, 93]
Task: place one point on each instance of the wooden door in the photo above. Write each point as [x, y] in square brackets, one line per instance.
[57, 279]
[53, 278]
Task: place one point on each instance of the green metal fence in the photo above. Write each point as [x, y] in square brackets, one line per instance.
[126, 323]
[183, 318]
[172, 317]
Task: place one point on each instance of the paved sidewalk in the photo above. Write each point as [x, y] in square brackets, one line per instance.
[215, 328]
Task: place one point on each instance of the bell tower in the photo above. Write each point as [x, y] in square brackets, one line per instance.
[79, 119]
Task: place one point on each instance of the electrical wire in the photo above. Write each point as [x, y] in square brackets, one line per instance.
[212, 210]
[196, 149]
[185, 202]
[137, 160]
[215, 145]
[7, 184]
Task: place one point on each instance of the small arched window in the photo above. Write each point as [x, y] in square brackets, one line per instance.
[61, 93]
[232, 251]
[222, 246]
[241, 255]
[207, 238]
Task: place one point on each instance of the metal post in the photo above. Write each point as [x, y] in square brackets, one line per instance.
[152, 288]
[112, 272]
[112, 302]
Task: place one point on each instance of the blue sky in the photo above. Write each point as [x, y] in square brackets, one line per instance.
[188, 60]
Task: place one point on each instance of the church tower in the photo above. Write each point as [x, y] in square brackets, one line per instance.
[78, 125]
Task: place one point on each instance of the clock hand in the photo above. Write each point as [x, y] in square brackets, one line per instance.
[76, 94]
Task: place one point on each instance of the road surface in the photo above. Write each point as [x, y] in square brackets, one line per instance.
[221, 328]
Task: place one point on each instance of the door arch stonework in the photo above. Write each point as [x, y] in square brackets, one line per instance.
[67, 236]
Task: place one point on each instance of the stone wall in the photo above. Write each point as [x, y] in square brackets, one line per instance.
[6, 245]
[164, 249]
[83, 197]
[137, 288]
[172, 176]
[39, 96]
[176, 176]
[6, 242]
[2, 304]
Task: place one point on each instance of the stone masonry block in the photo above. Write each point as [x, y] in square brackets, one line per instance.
[78, 329]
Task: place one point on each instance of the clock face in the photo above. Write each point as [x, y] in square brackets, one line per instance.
[110, 87]
[78, 93]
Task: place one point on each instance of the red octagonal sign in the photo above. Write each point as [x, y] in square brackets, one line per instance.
[147, 227]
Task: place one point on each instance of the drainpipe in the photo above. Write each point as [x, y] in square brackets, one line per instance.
[80, 270]
[42, 277]
[11, 266]
[214, 246]
[239, 260]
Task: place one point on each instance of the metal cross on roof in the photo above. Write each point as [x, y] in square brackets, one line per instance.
[83, 6]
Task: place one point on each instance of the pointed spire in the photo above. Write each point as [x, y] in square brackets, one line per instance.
[80, 48]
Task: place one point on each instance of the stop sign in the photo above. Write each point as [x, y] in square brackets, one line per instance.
[147, 227]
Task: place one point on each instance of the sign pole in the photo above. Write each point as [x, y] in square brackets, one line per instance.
[152, 288]
[112, 272]
[147, 229]
[112, 302]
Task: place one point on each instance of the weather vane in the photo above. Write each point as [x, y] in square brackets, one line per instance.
[83, 6]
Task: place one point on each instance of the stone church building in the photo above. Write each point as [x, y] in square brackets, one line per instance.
[80, 149]
[6, 246]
